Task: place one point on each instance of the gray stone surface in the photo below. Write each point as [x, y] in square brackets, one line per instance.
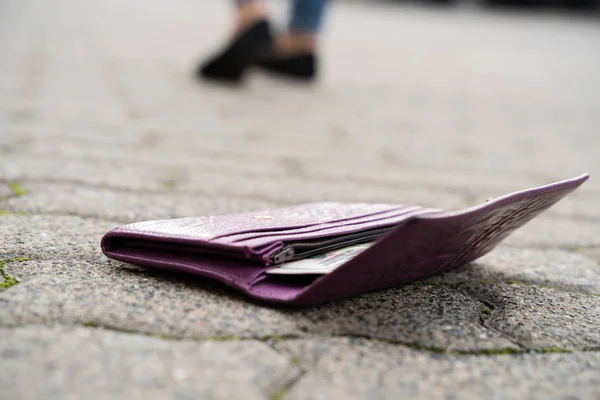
[429, 316]
[52, 238]
[101, 123]
[5, 190]
[549, 232]
[40, 362]
[107, 294]
[593, 253]
[357, 369]
[577, 207]
[555, 268]
[98, 202]
[541, 318]
[90, 200]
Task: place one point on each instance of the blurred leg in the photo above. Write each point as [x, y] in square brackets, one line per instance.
[296, 49]
[247, 13]
[293, 53]
[250, 36]
[305, 23]
[307, 16]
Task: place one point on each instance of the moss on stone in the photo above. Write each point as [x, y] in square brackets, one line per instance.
[279, 395]
[487, 311]
[163, 336]
[173, 179]
[16, 188]
[492, 352]
[8, 280]
[20, 213]
[420, 347]
[549, 350]
[222, 338]
[273, 338]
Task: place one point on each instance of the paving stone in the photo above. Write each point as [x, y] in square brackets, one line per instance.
[555, 268]
[107, 294]
[5, 190]
[134, 299]
[244, 153]
[549, 232]
[152, 171]
[127, 206]
[51, 238]
[580, 206]
[358, 369]
[108, 123]
[216, 196]
[39, 362]
[541, 318]
[593, 253]
[430, 316]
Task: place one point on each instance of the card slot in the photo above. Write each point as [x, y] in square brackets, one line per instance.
[235, 272]
[118, 244]
[297, 251]
[336, 231]
[353, 211]
[391, 216]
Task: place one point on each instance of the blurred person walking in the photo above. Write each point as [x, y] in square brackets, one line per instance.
[292, 53]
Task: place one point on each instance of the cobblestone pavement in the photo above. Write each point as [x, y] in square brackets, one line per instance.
[101, 125]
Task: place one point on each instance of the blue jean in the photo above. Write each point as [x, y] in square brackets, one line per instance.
[306, 15]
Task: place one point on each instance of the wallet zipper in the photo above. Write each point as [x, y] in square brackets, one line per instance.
[295, 251]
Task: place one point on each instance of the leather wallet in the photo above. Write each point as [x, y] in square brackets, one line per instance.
[406, 243]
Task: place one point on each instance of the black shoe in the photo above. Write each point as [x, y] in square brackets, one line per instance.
[301, 66]
[230, 63]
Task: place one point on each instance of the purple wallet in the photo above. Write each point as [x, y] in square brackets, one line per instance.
[407, 243]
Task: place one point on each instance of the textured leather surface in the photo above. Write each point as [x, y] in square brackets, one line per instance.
[258, 235]
[359, 222]
[327, 231]
[417, 247]
[219, 227]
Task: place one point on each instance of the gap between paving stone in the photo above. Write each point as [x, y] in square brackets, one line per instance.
[278, 316]
[456, 197]
[9, 212]
[21, 206]
[274, 340]
[279, 165]
[372, 315]
[337, 315]
[534, 323]
[527, 233]
[118, 285]
[60, 199]
[283, 372]
[363, 363]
